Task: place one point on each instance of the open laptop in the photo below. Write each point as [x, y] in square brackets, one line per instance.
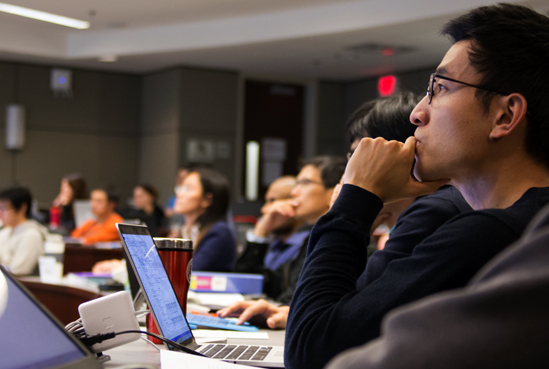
[82, 212]
[31, 336]
[168, 315]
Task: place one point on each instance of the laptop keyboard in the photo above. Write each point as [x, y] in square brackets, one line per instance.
[237, 352]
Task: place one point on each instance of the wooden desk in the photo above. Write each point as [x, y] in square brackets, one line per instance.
[61, 300]
[80, 258]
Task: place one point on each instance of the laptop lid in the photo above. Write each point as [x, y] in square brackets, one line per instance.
[31, 336]
[82, 212]
[153, 279]
[160, 295]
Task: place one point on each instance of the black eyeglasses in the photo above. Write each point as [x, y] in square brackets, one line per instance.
[431, 88]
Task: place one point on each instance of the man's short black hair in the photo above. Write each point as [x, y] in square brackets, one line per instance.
[112, 193]
[18, 196]
[331, 168]
[386, 117]
[510, 50]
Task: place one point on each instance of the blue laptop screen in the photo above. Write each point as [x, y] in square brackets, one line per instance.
[157, 287]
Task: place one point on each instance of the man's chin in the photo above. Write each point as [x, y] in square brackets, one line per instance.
[283, 230]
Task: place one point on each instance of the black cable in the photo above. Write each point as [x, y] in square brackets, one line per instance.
[98, 338]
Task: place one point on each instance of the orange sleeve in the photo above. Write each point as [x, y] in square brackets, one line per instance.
[83, 229]
[106, 232]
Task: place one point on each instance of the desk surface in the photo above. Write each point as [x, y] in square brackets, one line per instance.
[141, 352]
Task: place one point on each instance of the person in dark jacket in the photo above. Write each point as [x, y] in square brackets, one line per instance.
[482, 128]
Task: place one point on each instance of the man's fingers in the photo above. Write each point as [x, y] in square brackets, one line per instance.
[278, 320]
[249, 313]
[424, 188]
[233, 309]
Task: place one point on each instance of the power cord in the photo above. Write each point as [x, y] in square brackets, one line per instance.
[98, 338]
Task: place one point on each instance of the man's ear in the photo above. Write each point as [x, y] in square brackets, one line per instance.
[510, 112]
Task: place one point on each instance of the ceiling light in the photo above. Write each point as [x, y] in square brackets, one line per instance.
[43, 16]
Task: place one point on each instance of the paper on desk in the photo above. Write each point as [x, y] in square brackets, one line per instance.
[208, 333]
[180, 360]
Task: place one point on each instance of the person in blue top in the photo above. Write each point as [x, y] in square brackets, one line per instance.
[204, 200]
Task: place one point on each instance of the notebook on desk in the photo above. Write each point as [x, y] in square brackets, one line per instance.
[31, 336]
[168, 315]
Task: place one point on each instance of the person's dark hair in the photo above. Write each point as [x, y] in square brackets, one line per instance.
[18, 196]
[510, 50]
[78, 185]
[112, 193]
[214, 184]
[151, 190]
[386, 117]
[331, 168]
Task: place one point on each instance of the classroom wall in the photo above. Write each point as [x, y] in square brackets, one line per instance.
[124, 129]
[182, 105]
[331, 119]
[94, 132]
[159, 142]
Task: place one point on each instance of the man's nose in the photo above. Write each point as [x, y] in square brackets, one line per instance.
[419, 115]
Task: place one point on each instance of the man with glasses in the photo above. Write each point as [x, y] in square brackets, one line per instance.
[310, 199]
[483, 127]
[275, 239]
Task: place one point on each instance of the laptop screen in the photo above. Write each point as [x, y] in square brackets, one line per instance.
[31, 338]
[155, 282]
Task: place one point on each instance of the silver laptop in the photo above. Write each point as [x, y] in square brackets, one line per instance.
[32, 337]
[168, 315]
[82, 212]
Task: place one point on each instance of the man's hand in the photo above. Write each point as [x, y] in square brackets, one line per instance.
[384, 168]
[258, 313]
[279, 213]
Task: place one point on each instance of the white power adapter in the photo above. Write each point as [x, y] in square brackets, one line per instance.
[108, 314]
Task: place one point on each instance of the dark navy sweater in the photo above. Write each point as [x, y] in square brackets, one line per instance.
[420, 220]
[328, 314]
[216, 251]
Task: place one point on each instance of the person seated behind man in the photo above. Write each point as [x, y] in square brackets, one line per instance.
[145, 208]
[269, 245]
[204, 201]
[22, 239]
[389, 118]
[481, 127]
[386, 117]
[102, 228]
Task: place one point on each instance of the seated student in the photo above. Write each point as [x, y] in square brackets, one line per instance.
[103, 228]
[311, 197]
[73, 187]
[499, 320]
[272, 243]
[386, 117]
[21, 239]
[481, 128]
[204, 200]
[145, 209]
